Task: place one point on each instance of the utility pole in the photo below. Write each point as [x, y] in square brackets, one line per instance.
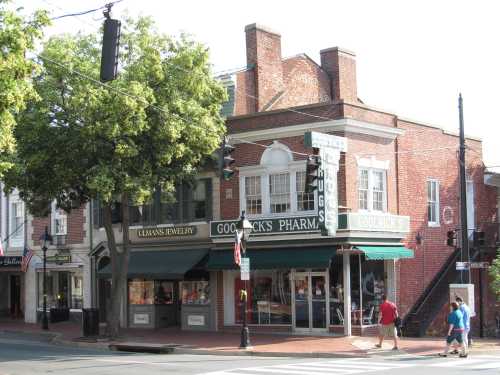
[465, 254]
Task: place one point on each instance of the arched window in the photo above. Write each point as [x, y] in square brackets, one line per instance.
[276, 185]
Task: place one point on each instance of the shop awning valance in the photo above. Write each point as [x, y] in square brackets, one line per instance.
[385, 252]
[274, 258]
[157, 264]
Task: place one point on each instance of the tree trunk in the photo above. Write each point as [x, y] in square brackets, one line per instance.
[119, 266]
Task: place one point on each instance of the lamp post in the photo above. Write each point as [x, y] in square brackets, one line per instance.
[45, 237]
[244, 228]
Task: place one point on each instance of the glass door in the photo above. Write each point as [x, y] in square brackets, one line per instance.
[301, 288]
[318, 302]
[310, 300]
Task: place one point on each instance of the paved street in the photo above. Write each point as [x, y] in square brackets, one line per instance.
[35, 357]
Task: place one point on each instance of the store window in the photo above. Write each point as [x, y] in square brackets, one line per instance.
[372, 194]
[269, 298]
[195, 292]
[141, 292]
[373, 287]
[64, 289]
[433, 202]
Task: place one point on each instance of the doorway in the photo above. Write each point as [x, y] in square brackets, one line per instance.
[310, 299]
[15, 296]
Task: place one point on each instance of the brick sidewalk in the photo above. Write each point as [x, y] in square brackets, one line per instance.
[225, 343]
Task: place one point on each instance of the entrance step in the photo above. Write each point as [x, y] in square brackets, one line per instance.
[138, 347]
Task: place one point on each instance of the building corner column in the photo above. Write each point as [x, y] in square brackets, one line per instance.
[347, 294]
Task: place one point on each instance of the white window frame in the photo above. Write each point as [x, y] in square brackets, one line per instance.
[371, 190]
[435, 223]
[264, 170]
[58, 214]
[297, 192]
[16, 231]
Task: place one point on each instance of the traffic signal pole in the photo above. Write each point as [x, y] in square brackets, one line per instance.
[465, 254]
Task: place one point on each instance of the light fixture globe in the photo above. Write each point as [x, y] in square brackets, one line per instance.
[244, 226]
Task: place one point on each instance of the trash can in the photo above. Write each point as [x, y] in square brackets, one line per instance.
[90, 322]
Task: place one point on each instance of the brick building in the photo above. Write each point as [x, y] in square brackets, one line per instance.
[397, 185]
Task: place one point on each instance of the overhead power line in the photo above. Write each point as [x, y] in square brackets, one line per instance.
[86, 11]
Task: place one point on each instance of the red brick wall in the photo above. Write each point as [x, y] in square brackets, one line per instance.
[76, 229]
[341, 67]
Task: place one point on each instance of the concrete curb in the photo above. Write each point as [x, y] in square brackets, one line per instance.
[253, 353]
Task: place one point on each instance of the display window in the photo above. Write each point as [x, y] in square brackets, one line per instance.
[151, 292]
[269, 298]
[195, 292]
[368, 284]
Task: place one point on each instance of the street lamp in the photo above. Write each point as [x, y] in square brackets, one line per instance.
[44, 238]
[244, 228]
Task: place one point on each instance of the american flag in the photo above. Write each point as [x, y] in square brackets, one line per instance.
[237, 250]
[27, 255]
[1, 247]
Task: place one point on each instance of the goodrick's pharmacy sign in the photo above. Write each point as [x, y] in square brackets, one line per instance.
[297, 224]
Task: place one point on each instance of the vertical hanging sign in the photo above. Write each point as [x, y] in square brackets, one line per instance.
[329, 147]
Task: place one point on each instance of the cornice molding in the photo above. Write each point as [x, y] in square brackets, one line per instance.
[341, 125]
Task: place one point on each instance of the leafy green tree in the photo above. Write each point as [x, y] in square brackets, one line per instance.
[17, 38]
[149, 129]
[495, 275]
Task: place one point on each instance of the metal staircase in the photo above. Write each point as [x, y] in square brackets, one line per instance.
[432, 299]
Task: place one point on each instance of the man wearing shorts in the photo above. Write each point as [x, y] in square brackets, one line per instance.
[455, 330]
[388, 313]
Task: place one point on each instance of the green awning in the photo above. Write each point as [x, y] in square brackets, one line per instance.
[385, 252]
[160, 264]
[274, 258]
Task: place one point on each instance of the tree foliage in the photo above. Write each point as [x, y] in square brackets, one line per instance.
[495, 275]
[149, 128]
[17, 38]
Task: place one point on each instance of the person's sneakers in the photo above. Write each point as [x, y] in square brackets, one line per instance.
[443, 355]
[463, 355]
[395, 348]
[454, 351]
[378, 346]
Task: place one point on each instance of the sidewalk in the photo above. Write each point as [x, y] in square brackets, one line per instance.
[228, 343]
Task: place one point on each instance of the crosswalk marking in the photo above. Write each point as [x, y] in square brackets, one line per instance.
[339, 367]
[457, 362]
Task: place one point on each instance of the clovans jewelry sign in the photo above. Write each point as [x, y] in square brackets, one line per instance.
[330, 147]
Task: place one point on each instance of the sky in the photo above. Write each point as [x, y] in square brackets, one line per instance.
[413, 57]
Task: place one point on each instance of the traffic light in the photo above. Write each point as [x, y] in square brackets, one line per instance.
[451, 238]
[227, 160]
[312, 169]
[478, 238]
[110, 49]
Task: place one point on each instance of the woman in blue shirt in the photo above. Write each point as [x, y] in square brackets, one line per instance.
[455, 330]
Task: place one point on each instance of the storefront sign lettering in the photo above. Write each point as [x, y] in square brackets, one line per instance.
[298, 224]
[166, 232]
[10, 261]
[141, 318]
[329, 147]
[59, 259]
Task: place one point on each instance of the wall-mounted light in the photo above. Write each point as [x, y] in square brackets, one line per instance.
[419, 238]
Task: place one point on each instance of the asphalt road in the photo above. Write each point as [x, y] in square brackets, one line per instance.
[33, 357]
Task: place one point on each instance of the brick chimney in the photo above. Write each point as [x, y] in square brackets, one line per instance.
[264, 55]
[340, 65]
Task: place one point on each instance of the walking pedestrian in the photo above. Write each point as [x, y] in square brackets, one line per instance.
[387, 315]
[465, 310]
[455, 330]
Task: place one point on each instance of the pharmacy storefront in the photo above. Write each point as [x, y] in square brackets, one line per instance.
[303, 282]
